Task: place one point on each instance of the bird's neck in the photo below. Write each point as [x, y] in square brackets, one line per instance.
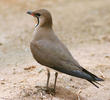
[42, 33]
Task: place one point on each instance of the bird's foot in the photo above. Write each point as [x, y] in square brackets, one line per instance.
[50, 91]
[46, 90]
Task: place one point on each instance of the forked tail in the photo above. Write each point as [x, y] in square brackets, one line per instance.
[93, 79]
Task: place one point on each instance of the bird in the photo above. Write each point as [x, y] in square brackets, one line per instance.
[48, 50]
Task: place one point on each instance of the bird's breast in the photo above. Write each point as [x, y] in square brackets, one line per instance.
[38, 55]
[35, 52]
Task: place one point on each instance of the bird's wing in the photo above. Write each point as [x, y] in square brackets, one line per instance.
[59, 56]
[56, 54]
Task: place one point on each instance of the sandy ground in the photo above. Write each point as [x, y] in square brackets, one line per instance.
[83, 25]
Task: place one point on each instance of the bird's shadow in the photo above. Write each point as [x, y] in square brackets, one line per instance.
[61, 93]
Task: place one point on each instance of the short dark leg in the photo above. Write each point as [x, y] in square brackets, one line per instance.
[56, 74]
[48, 77]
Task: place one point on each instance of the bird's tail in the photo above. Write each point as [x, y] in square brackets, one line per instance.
[93, 78]
[83, 73]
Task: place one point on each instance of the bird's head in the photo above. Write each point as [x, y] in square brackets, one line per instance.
[42, 16]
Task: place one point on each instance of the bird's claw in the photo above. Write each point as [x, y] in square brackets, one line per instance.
[46, 90]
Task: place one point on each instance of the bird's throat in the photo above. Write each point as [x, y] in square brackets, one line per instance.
[36, 21]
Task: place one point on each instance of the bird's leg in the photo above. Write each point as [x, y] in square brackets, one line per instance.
[56, 74]
[48, 77]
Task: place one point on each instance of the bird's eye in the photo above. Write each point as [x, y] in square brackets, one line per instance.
[38, 14]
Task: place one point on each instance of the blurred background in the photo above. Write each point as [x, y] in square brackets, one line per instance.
[82, 25]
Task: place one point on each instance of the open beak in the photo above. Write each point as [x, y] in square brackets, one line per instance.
[30, 13]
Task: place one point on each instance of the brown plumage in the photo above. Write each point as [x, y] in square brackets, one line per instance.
[49, 51]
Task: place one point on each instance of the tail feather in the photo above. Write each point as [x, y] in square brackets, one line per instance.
[94, 84]
[87, 75]
[98, 83]
[93, 77]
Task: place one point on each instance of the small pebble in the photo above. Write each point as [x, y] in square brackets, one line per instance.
[67, 87]
[1, 44]
[71, 79]
[2, 83]
[2, 79]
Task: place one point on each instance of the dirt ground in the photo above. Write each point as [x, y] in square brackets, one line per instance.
[83, 25]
